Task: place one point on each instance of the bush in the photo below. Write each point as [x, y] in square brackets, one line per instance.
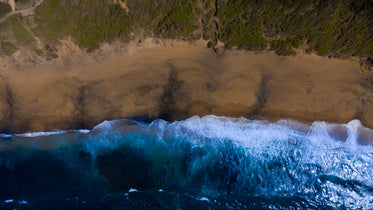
[309, 50]
[206, 37]
[4, 9]
[283, 47]
[180, 20]
[89, 22]
[8, 47]
[38, 52]
[330, 27]
[21, 34]
[210, 44]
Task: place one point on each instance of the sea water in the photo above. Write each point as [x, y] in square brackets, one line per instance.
[201, 163]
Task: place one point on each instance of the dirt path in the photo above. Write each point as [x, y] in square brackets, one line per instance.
[23, 12]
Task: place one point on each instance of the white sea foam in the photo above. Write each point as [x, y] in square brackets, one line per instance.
[22, 202]
[285, 157]
[36, 134]
[105, 125]
[84, 131]
[241, 129]
[212, 126]
[203, 199]
[45, 133]
[132, 190]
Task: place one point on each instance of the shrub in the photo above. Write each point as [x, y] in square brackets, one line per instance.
[206, 37]
[8, 47]
[330, 27]
[309, 50]
[21, 34]
[283, 47]
[89, 22]
[4, 9]
[210, 44]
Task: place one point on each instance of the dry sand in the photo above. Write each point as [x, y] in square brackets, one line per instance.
[176, 82]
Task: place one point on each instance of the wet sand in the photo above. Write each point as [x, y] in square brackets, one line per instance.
[176, 82]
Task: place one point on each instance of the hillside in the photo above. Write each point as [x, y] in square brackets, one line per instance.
[336, 28]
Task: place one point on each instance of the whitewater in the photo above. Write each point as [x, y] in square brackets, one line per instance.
[209, 162]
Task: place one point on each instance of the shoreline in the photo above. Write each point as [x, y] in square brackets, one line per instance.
[353, 131]
[174, 80]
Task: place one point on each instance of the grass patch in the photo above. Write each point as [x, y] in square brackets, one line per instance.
[8, 48]
[15, 27]
[21, 34]
[206, 37]
[330, 27]
[166, 18]
[89, 22]
[4, 9]
[283, 47]
[179, 21]
[309, 50]
[37, 51]
[239, 28]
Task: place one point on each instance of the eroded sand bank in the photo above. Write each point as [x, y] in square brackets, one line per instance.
[176, 82]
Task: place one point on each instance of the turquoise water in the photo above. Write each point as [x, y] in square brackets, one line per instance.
[210, 162]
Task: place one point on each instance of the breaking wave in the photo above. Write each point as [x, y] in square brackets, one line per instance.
[207, 162]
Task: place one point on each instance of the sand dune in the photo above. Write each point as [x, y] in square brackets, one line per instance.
[176, 82]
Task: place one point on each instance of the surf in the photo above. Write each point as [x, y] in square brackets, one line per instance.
[208, 161]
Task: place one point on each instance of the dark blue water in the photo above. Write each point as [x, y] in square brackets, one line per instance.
[200, 163]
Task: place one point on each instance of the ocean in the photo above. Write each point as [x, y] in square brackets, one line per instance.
[198, 163]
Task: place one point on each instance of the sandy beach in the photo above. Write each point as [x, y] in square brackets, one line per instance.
[179, 81]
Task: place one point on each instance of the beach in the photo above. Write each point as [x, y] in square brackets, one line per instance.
[121, 132]
[177, 81]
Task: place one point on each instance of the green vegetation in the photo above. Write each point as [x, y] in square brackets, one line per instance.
[90, 22]
[50, 52]
[239, 27]
[336, 28]
[4, 9]
[14, 35]
[8, 47]
[179, 21]
[330, 27]
[14, 27]
[165, 18]
[309, 50]
[283, 47]
[21, 34]
[38, 52]
[210, 44]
